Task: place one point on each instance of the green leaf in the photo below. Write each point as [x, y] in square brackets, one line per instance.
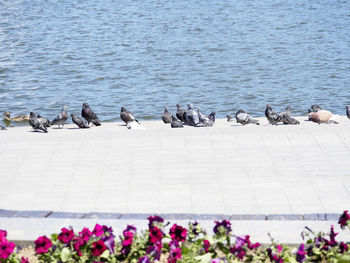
[65, 254]
[206, 258]
[105, 254]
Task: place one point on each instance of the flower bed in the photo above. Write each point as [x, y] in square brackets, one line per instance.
[179, 244]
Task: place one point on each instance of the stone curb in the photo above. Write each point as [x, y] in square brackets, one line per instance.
[96, 215]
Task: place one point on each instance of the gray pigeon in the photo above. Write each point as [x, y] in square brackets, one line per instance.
[43, 120]
[192, 117]
[348, 111]
[314, 108]
[272, 116]
[229, 118]
[180, 113]
[286, 118]
[79, 122]
[89, 115]
[175, 123]
[166, 117]
[127, 116]
[205, 121]
[61, 118]
[2, 128]
[35, 123]
[244, 118]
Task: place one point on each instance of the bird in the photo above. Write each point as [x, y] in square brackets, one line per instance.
[229, 118]
[79, 122]
[244, 118]
[348, 111]
[180, 113]
[192, 117]
[286, 118]
[43, 120]
[2, 128]
[272, 116]
[166, 117]
[35, 123]
[89, 115]
[322, 116]
[205, 121]
[7, 115]
[211, 117]
[127, 116]
[61, 118]
[175, 123]
[314, 108]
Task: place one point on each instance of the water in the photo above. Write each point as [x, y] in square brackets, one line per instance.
[146, 54]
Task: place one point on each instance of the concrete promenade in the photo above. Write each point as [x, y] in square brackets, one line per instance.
[227, 169]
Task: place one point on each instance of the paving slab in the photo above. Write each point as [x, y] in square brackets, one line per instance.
[227, 169]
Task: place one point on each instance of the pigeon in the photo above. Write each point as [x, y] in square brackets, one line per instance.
[287, 119]
[89, 115]
[127, 116]
[205, 121]
[2, 128]
[229, 118]
[79, 122]
[348, 111]
[175, 123]
[272, 116]
[43, 120]
[166, 117]
[192, 117]
[244, 118]
[7, 115]
[61, 118]
[314, 108]
[322, 116]
[35, 123]
[180, 113]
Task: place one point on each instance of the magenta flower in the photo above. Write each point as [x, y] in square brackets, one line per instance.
[249, 243]
[238, 250]
[128, 237]
[130, 228]
[206, 245]
[343, 247]
[98, 230]
[224, 224]
[77, 243]
[3, 234]
[343, 219]
[174, 255]
[6, 248]
[273, 257]
[178, 233]
[332, 236]
[42, 245]
[300, 257]
[98, 247]
[153, 219]
[24, 260]
[155, 250]
[66, 235]
[85, 234]
[144, 259]
[155, 235]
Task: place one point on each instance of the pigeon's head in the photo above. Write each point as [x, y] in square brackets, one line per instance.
[72, 115]
[7, 114]
[228, 116]
[213, 113]
[314, 108]
[65, 107]
[268, 107]
[31, 114]
[212, 116]
[178, 106]
[86, 105]
[288, 108]
[242, 111]
[166, 109]
[190, 106]
[122, 109]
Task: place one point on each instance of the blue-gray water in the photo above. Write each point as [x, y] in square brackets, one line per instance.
[145, 54]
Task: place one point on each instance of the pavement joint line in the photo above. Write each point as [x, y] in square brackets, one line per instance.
[168, 216]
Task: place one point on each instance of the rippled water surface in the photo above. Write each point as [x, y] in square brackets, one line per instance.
[218, 55]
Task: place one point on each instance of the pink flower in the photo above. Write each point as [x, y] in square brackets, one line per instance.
[98, 247]
[153, 219]
[224, 224]
[332, 236]
[24, 260]
[6, 248]
[343, 247]
[155, 235]
[66, 235]
[206, 245]
[128, 237]
[3, 234]
[42, 245]
[343, 219]
[98, 230]
[300, 257]
[155, 250]
[178, 233]
[174, 255]
[85, 234]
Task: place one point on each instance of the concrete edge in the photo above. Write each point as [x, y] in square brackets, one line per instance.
[168, 216]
